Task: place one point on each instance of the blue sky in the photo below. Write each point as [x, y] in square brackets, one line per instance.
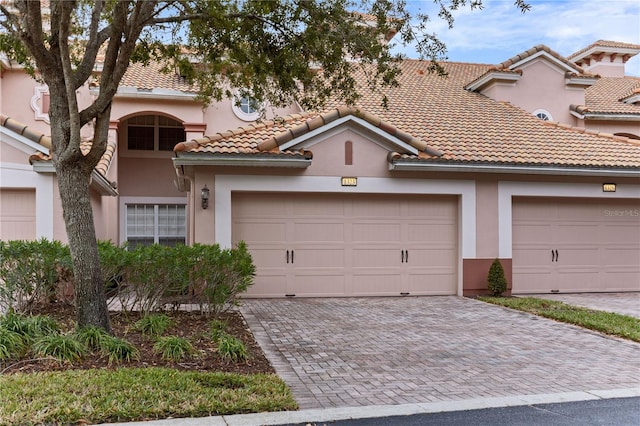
[500, 30]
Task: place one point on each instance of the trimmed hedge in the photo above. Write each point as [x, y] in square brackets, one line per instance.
[144, 278]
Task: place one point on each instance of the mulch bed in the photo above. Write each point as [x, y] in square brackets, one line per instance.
[191, 325]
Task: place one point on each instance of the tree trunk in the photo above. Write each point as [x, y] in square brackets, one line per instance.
[90, 299]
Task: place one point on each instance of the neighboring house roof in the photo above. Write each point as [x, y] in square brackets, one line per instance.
[465, 127]
[604, 46]
[152, 76]
[534, 52]
[101, 169]
[606, 98]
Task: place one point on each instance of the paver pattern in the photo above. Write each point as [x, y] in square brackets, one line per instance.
[622, 303]
[383, 351]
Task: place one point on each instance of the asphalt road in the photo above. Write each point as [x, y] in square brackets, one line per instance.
[615, 412]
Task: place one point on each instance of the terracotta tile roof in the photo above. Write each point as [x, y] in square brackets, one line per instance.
[151, 76]
[607, 96]
[102, 167]
[245, 140]
[25, 131]
[536, 49]
[464, 126]
[604, 44]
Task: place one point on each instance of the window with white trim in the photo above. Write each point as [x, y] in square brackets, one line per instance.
[154, 133]
[246, 108]
[148, 224]
[543, 115]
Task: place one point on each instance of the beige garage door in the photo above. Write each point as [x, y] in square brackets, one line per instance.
[576, 245]
[348, 245]
[17, 214]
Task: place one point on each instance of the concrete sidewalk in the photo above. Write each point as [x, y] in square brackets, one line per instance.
[327, 415]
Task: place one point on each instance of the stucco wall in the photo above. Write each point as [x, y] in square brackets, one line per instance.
[541, 86]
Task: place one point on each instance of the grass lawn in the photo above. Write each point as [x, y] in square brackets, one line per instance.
[127, 394]
[614, 324]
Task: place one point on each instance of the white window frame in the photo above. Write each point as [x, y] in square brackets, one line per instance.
[124, 201]
[155, 153]
[545, 112]
[236, 107]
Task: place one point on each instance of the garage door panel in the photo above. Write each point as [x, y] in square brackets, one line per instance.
[376, 231]
[597, 241]
[368, 283]
[622, 257]
[349, 244]
[17, 214]
[257, 232]
[311, 284]
[319, 257]
[371, 257]
[318, 206]
[430, 282]
[318, 231]
[432, 232]
[375, 208]
[585, 257]
[577, 234]
[532, 233]
[621, 234]
[269, 285]
[537, 258]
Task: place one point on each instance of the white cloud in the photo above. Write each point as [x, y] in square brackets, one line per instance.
[500, 30]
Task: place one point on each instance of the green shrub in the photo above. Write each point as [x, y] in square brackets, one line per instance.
[30, 327]
[154, 275]
[113, 261]
[12, 344]
[174, 348]
[232, 349]
[63, 347]
[218, 329]
[92, 337]
[220, 276]
[32, 273]
[496, 280]
[118, 350]
[153, 325]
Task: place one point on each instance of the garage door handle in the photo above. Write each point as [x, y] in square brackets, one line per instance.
[556, 255]
[291, 256]
[287, 256]
[401, 256]
[406, 256]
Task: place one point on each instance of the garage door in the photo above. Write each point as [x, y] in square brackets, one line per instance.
[348, 245]
[576, 245]
[17, 214]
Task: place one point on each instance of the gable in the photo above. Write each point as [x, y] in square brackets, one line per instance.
[348, 152]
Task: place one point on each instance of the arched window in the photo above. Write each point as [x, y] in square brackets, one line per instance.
[153, 133]
[246, 108]
[543, 115]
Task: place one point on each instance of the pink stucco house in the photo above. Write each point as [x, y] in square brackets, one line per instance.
[535, 161]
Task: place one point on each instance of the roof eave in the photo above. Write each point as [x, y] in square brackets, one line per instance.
[492, 77]
[605, 116]
[400, 165]
[156, 93]
[199, 159]
[580, 81]
[102, 185]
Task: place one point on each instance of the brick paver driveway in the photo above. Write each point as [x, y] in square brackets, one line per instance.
[372, 351]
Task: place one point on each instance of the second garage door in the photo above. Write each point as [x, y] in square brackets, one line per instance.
[17, 214]
[580, 245]
[348, 245]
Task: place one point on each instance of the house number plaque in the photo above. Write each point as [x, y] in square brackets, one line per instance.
[349, 181]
